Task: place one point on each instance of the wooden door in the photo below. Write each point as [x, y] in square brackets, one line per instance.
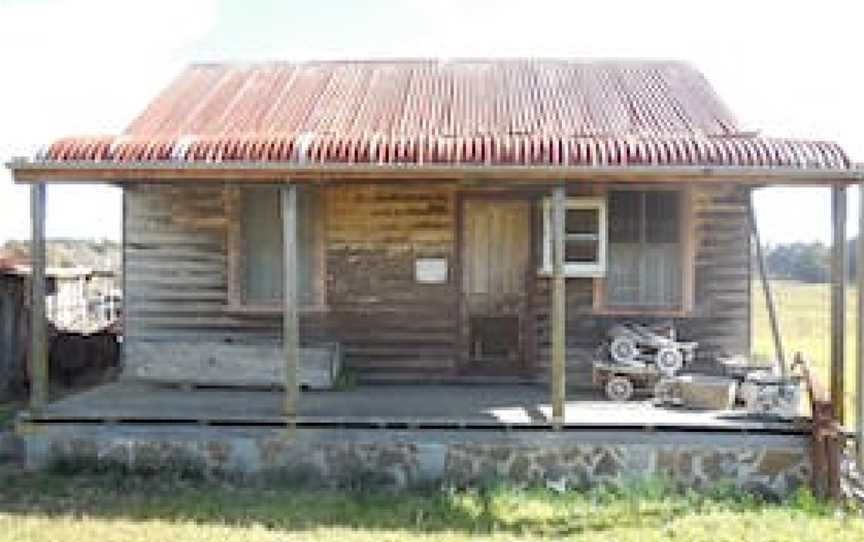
[496, 256]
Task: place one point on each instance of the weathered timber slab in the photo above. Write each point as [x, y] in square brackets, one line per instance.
[229, 364]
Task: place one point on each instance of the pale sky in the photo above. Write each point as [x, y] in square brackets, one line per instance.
[787, 68]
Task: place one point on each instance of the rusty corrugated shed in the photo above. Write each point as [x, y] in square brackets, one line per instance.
[469, 112]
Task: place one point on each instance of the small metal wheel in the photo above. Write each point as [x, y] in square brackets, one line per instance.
[669, 360]
[623, 349]
[619, 388]
[664, 392]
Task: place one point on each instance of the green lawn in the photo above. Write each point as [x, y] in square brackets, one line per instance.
[804, 315]
[110, 507]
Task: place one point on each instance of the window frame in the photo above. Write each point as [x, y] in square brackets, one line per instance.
[578, 269]
[236, 249]
[687, 255]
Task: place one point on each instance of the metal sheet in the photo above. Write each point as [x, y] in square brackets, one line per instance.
[473, 112]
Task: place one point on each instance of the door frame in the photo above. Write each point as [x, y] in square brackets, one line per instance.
[526, 364]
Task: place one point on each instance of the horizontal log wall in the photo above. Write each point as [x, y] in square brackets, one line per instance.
[177, 284]
[176, 298]
[389, 326]
[721, 319]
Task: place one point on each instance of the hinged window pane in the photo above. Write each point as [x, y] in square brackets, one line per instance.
[581, 251]
[662, 217]
[263, 250]
[262, 236]
[644, 248]
[625, 217]
[584, 221]
[584, 237]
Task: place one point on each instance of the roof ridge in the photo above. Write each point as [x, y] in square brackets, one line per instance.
[605, 61]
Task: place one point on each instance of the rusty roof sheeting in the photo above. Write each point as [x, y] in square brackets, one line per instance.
[470, 112]
[492, 151]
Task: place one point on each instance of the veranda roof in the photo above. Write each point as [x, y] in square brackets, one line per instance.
[440, 113]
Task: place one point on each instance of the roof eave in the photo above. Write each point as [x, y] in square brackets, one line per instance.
[115, 172]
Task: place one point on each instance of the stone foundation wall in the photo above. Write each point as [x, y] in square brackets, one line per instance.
[761, 468]
[767, 464]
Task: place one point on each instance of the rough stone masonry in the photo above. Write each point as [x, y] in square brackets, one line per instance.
[768, 464]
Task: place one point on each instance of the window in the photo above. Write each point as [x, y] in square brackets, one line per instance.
[645, 262]
[584, 237]
[257, 251]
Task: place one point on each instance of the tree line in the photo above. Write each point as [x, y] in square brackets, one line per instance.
[63, 252]
[807, 262]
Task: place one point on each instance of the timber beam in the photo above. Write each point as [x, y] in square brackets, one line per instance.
[290, 318]
[839, 271]
[38, 326]
[859, 414]
[559, 304]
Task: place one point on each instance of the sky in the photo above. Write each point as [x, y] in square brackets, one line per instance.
[787, 68]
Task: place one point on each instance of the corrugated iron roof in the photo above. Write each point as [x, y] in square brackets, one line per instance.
[495, 112]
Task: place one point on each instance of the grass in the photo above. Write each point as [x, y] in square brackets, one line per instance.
[7, 413]
[108, 507]
[804, 315]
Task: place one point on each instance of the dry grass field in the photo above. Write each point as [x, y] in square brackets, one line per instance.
[119, 506]
[803, 311]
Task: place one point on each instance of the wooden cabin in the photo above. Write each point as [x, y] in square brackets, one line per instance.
[426, 220]
[425, 280]
[420, 222]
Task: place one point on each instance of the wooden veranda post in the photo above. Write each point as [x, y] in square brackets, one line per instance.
[559, 337]
[826, 443]
[859, 414]
[38, 326]
[838, 299]
[290, 320]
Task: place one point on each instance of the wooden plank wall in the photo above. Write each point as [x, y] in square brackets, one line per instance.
[389, 326]
[722, 306]
[721, 317]
[177, 327]
[177, 284]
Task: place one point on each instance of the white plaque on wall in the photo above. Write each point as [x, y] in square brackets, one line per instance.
[430, 270]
